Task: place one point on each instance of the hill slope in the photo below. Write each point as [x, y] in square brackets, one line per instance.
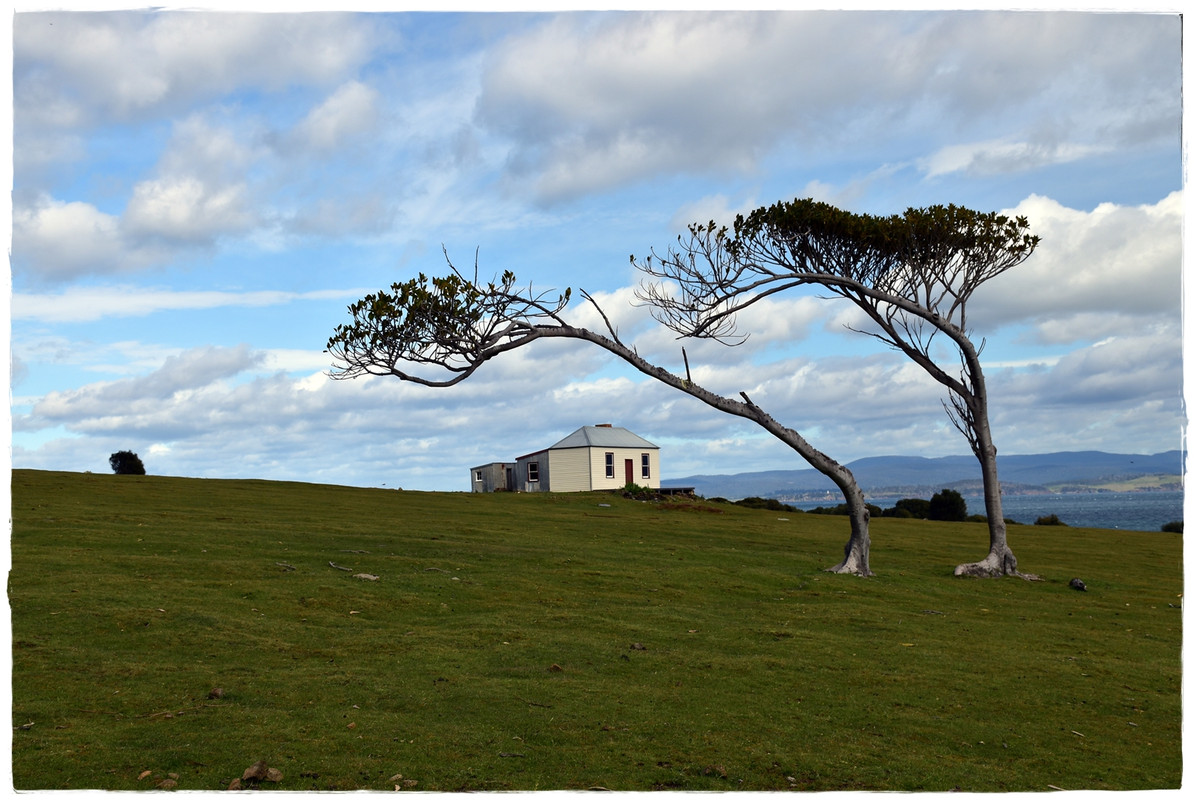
[882, 475]
[551, 641]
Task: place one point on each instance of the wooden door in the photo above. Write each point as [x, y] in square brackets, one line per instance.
[630, 470]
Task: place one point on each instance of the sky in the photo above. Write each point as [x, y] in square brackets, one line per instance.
[197, 196]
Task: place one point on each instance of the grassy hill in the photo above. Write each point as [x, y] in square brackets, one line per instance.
[517, 642]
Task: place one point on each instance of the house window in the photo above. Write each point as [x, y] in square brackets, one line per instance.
[478, 478]
[533, 471]
[609, 465]
[646, 465]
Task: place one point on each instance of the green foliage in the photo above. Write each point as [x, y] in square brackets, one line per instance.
[1173, 527]
[126, 462]
[495, 650]
[449, 322]
[870, 248]
[843, 510]
[765, 503]
[947, 505]
[1052, 519]
[909, 508]
[633, 490]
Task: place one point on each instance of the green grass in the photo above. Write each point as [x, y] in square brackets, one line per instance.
[495, 651]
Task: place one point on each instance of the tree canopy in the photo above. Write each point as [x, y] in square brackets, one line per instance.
[126, 462]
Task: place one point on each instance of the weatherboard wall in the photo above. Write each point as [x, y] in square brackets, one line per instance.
[601, 478]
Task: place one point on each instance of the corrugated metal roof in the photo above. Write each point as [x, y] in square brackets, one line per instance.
[603, 436]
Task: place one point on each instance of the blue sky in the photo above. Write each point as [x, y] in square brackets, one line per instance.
[198, 196]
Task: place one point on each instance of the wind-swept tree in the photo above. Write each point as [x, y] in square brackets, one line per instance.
[911, 274]
[126, 462]
[439, 331]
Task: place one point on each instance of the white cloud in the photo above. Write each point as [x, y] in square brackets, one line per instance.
[138, 403]
[122, 65]
[55, 240]
[230, 411]
[594, 101]
[90, 303]
[263, 153]
[1002, 157]
[1120, 262]
[198, 196]
[199, 193]
[184, 209]
[349, 112]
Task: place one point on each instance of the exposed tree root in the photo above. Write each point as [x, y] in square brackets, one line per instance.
[997, 564]
[856, 561]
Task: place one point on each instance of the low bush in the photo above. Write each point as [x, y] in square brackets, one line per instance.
[1049, 520]
[909, 507]
[766, 503]
[1172, 527]
[636, 492]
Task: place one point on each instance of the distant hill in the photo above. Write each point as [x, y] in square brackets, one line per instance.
[911, 476]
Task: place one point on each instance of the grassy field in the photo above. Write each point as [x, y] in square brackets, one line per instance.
[519, 642]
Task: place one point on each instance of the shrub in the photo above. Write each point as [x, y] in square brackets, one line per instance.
[1172, 527]
[767, 503]
[1049, 520]
[913, 507]
[948, 506]
[126, 463]
[843, 510]
[636, 492]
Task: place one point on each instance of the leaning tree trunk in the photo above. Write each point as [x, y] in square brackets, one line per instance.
[858, 550]
[857, 556]
[856, 560]
[1000, 560]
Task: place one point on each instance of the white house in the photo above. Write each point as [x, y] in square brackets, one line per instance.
[594, 458]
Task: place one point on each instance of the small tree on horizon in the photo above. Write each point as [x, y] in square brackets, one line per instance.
[126, 462]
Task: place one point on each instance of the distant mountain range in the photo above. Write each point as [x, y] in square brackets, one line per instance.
[910, 476]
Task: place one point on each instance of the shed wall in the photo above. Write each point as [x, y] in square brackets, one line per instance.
[498, 476]
[522, 480]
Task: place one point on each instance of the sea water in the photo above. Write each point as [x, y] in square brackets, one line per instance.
[1133, 511]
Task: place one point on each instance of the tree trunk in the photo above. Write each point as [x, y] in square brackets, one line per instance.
[857, 553]
[1000, 559]
[857, 557]
[856, 560]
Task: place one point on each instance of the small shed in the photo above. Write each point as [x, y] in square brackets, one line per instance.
[495, 477]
